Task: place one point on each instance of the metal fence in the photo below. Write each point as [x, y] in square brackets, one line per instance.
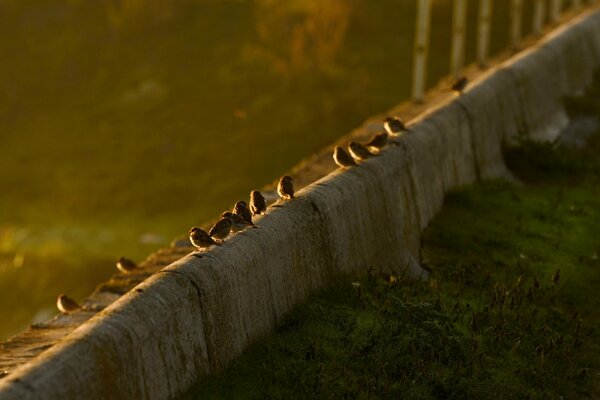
[544, 12]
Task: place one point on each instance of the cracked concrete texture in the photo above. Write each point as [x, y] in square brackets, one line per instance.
[193, 315]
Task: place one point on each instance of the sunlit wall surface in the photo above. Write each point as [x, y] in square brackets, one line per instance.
[125, 122]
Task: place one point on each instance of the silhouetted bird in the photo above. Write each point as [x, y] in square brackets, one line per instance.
[66, 304]
[342, 158]
[221, 229]
[394, 126]
[460, 85]
[238, 223]
[258, 205]
[241, 209]
[126, 265]
[359, 152]
[285, 188]
[378, 141]
[200, 239]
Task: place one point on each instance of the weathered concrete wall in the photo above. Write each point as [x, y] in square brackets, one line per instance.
[200, 312]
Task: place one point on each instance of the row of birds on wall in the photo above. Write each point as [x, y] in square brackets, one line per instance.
[240, 217]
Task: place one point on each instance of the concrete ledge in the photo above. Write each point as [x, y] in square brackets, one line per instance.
[196, 315]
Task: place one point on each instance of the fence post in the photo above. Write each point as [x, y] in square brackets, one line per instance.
[555, 7]
[516, 14]
[459, 19]
[421, 49]
[483, 31]
[539, 15]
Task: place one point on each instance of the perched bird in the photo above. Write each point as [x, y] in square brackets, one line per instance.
[394, 126]
[241, 209]
[460, 85]
[66, 304]
[200, 239]
[285, 188]
[359, 152]
[221, 229]
[258, 205]
[126, 265]
[378, 141]
[342, 158]
[238, 223]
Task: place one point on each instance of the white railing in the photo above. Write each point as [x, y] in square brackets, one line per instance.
[555, 8]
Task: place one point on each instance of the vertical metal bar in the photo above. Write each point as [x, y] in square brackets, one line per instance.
[483, 31]
[516, 16]
[539, 15]
[555, 7]
[421, 49]
[459, 19]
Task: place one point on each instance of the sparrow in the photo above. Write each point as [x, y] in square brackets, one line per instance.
[258, 205]
[221, 229]
[200, 239]
[394, 126]
[241, 208]
[460, 85]
[285, 188]
[378, 141]
[342, 158]
[238, 223]
[126, 265]
[66, 304]
[359, 152]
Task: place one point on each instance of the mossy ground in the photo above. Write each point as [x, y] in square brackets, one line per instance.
[510, 311]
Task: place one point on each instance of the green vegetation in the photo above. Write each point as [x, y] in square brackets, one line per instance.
[510, 310]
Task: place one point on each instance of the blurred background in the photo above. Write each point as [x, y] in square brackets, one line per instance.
[125, 122]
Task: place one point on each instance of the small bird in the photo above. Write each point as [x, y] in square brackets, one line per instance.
[126, 265]
[460, 85]
[359, 152]
[394, 126]
[221, 229]
[285, 188]
[342, 158]
[238, 223]
[200, 239]
[258, 205]
[66, 304]
[241, 208]
[378, 141]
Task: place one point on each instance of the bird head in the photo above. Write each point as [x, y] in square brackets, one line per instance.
[194, 230]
